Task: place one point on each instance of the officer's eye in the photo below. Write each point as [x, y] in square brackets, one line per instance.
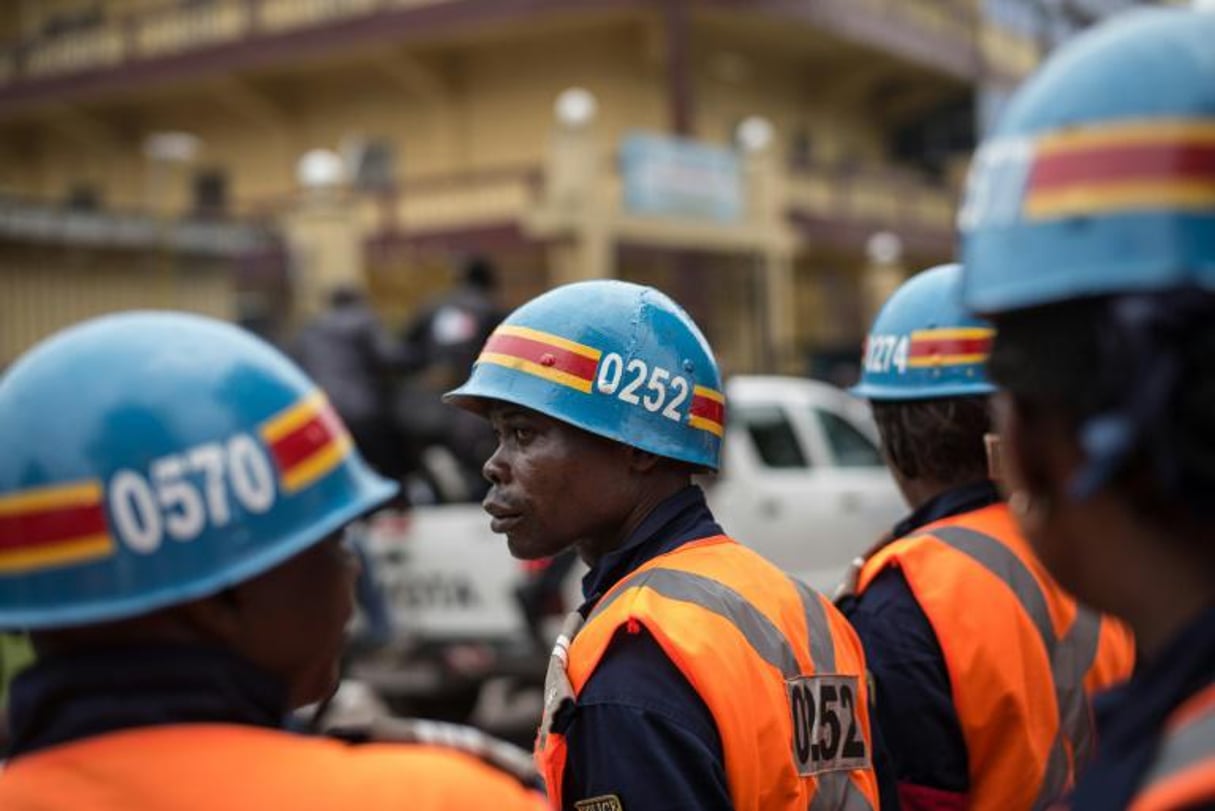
[514, 428]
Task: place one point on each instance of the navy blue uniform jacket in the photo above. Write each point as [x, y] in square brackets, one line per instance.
[65, 698]
[917, 737]
[639, 731]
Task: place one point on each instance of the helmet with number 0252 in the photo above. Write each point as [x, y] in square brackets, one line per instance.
[924, 345]
[1100, 178]
[153, 458]
[613, 358]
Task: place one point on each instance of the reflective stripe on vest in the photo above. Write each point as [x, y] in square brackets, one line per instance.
[1186, 748]
[835, 789]
[1070, 657]
[764, 637]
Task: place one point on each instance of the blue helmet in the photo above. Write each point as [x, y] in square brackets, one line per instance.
[154, 458]
[613, 358]
[1100, 178]
[924, 345]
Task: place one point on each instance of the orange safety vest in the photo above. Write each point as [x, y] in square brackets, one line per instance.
[1183, 772]
[203, 767]
[781, 671]
[1023, 657]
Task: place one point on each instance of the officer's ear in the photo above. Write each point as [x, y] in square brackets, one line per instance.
[650, 464]
[1038, 457]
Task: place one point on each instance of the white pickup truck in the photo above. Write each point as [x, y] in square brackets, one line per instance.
[801, 481]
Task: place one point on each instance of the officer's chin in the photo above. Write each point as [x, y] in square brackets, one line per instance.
[318, 685]
[519, 548]
[316, 715]
[525, 547]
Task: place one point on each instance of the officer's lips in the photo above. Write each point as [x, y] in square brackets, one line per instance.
[504, 516]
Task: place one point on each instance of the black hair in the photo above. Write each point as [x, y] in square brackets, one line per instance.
[935, 440]
[479, 272]
[345, 296]
[1134, 378]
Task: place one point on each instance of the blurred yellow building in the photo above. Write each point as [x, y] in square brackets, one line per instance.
[773, 164]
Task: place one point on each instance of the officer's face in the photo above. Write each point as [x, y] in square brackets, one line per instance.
[292, 619]
[555, 485]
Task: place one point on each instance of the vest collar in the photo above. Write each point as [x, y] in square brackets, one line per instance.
[680, 519]
[959, 500]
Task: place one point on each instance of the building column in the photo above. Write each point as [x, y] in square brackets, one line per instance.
[882, 274]
[779, 308]
[587, 253]
[326, 251]
[676, 28]
[766, 202]
[573, 210]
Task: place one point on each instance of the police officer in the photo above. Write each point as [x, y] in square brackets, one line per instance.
[985, 663]
[172, 498]
[703, 677]
[1089, 239]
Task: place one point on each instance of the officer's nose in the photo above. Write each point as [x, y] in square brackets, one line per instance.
[495, 470]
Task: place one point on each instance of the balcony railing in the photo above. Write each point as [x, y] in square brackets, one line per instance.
[133, 38]
[451, 201]
[858, 201]
[949, 19]
[26, 220]
[874, 199]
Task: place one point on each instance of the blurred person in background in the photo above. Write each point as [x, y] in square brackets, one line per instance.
[987, 664]
[172, 499]
[441, 343]
[443, 340]
[1089, 240]
[347, 352]
[696, 674]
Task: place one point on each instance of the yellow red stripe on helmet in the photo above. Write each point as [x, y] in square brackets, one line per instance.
[542, 354]
[708, 410]
[307, 441]
[953, 346]
[59, 525]
[1127, 166]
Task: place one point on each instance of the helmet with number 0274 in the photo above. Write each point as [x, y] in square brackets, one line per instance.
[613, 358]
[924, 345]
[1100, 178]
[153, 458]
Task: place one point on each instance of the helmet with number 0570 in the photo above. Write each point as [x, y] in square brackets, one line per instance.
[616, 359]
[1100, 178]
[924, 345]
[154, 458]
